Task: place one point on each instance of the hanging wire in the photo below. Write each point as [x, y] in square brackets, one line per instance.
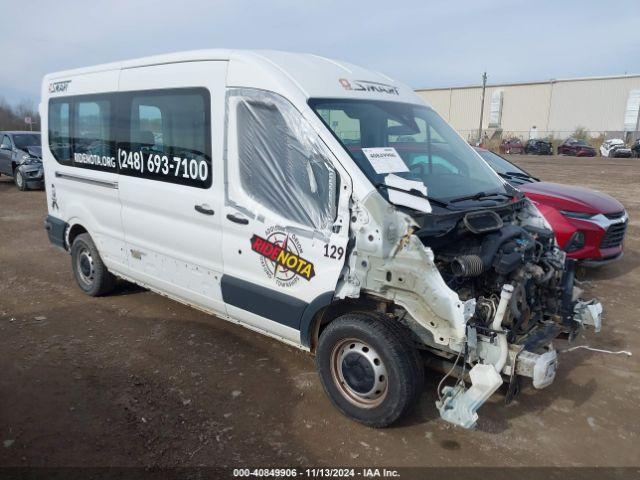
[600, 350]
[448, 374]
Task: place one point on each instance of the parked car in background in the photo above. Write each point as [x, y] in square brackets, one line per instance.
[576, 147]
[538, 146]
[511, 145]
[21, 158]
[635, 148]
[589, 225]
[615, 148]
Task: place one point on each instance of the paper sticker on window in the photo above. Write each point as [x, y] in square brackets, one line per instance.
[385, 160]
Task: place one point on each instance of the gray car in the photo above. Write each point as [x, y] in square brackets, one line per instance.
[21, 158]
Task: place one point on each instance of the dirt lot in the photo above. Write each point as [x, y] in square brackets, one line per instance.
[137, 379]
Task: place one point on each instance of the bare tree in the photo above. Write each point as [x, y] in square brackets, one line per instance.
[12, 117]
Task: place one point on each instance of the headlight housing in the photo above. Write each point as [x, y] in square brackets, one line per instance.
[580, 215]
[28, 159]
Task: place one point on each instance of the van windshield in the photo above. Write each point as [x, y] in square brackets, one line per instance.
[411, 141]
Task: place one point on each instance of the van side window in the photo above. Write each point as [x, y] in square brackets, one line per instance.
[282, 163]
[168, 137]
[93, 144]
[59, 128]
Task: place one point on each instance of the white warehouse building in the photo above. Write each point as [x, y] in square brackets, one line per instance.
[606, 107]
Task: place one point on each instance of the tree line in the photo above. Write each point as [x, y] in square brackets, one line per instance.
[12, 116]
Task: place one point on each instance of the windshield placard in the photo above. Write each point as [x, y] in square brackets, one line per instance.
[385, 160]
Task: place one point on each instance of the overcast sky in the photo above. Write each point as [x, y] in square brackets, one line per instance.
[423, 43]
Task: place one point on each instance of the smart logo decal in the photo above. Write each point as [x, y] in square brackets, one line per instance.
[281, 257]
[367, 86]
[59, 87]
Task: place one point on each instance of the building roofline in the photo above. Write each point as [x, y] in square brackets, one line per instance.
[542, 82]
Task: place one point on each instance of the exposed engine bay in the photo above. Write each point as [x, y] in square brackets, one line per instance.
[485, 291]
[486, 249]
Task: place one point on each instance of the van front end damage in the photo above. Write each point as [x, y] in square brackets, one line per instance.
[484, 293]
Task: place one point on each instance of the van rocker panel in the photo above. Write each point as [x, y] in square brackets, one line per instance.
[262, 301]
[56, 229]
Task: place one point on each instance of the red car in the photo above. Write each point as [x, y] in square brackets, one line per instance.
[589, 225]
[511, 145]
[577, 148]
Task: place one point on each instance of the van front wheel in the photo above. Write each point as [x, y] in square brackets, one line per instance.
[91, 274]
[368, 368]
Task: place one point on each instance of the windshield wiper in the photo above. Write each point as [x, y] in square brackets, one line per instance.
[518, 175]
[517, 179]
[415, 192]
[480, 196]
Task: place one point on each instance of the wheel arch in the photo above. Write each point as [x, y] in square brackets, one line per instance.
[324, 309]
[73, 231]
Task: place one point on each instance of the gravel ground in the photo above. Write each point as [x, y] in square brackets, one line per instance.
[135, 379]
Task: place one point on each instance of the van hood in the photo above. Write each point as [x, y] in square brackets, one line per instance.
[571, 198]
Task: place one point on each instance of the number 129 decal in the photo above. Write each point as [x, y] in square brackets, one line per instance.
[331, 251]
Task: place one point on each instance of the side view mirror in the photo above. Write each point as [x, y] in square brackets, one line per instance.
[5, 147]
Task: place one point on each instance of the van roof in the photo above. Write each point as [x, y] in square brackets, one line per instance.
[316, 76]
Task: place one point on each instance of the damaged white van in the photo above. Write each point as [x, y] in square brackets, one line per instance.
[318, 203]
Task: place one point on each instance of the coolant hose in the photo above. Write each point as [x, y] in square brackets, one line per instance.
[504, 350]
[505, 298]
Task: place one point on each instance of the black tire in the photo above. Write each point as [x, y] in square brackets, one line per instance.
[346, 361]
[19, 180]
[90, 273]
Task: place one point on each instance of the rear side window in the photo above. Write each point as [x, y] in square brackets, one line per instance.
[59, 130]
[160, 135]
[168, 136]
[93, 143]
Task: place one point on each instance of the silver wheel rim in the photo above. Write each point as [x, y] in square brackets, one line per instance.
[359, 373]
[19, 178]
[85, 267]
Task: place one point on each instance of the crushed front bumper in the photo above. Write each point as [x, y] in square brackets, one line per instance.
[536, 360]
[33, 175]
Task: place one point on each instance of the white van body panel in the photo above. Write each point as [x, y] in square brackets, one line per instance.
[323, 249]
[169, 245]
[75, 196]
[296, 78]
[150, 233]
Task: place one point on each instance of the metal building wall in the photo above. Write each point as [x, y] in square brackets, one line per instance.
[556, 107]
[597, 105]
[440, 100]
[524, 107]
[465, 108]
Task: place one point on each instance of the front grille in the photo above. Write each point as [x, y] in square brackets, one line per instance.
[614, 216]
[614, 235]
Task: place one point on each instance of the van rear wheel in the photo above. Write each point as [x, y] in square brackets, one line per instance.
[89, 271]
[369, 369]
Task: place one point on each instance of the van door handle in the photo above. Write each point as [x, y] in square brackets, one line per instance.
[240, 220]
[205, 209]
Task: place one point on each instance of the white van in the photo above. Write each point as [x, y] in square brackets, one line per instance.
[316, 202]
